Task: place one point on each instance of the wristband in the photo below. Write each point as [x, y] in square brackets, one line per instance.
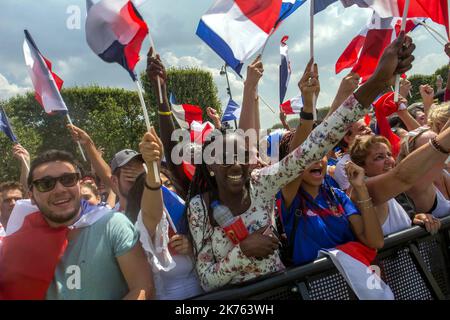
[436, 146]
[306, 115]
[150, 188]
[165, 113]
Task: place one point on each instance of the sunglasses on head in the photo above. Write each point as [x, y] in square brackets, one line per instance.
[47, 184]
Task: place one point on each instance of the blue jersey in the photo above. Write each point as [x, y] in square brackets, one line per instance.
[316, 230]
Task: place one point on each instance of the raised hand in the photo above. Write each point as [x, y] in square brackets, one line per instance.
[20, 153]
[79, 135]
[151, 148]
[255, 71]
[309, 84]
[181, 244]
[447, 49]
[155, 69]
[355, 175]
[214, 116]
[427, 94]
[396, 60]
[349, 84]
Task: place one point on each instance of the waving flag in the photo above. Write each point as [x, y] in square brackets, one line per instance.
[174, 205]
[436, 10]
[285, 68]
[31, 250]
[237, 29]
[232, 111]
[185, 114]
[115, 31]
[366, 48]
[293, 105]
[46, 83]
[353, 260]
[320, 5]
[199, 131]
[6, 127]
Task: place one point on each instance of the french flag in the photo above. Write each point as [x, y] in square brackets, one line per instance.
[185, 114]
[46, 83]
[5, 126]
[436, 10]
[353, 260]
[31, 250]
[285, 68]
[365, 50]
[237, 29]
[175, 207]
[232, 111]
[199, 131]
[292, 106]
[115, 31]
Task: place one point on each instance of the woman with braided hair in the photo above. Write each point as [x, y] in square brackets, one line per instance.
[250, 194]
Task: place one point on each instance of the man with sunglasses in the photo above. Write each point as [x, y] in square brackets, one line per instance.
[100, 256]
[10, 192]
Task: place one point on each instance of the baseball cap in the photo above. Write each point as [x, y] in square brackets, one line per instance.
[122, 157]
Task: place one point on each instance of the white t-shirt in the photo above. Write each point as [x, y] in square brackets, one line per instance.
[339, 173]
[397, 219]
[174, 276]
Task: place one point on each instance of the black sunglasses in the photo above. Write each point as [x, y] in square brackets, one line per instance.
[47, 184]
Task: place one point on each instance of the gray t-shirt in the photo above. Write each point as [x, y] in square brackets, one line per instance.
[89, 269]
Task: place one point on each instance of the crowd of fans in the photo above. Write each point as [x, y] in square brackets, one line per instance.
[344, 179]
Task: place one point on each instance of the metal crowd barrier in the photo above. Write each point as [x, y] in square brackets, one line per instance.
[415, 264]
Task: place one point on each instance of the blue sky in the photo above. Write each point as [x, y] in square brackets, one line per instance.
[173, 24]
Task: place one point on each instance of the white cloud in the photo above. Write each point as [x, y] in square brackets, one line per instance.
[8, 90]
[65, 68]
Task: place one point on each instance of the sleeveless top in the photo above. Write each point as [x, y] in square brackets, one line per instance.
[397, 218]
[442, 207]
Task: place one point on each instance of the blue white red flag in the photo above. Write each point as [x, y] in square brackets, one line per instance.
[5, 126]
[353, 260]
[46, 83]
[285, 68]
[232, 111]
[185, 113]
[292, 106]
[174, 205]
[115, 31]
[237, 29]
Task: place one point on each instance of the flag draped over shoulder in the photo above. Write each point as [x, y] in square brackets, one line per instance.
[237, 29]
[115, 31]
[232, 111]
[285, 68]
[292, 106]
[31, 250]
[5, 126]
[353, 260]
[365, 50]
[46, 83]
[185, 113]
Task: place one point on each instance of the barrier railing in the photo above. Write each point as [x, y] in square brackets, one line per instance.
[415, 264]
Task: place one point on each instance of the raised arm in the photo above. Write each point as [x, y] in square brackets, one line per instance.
[248, 115]
[22, 155]
[152, 201]
[348, 85]
[283, 121]
[155, 69]
[396, 59]
[447, 86]
[403, 176]
[427, 94]
[100, 166]
[309, 86]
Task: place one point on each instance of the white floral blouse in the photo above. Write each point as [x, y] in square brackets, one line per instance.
[220, 262]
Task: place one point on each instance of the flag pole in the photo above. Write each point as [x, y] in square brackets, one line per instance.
[78, 142]
[152, 44]
[431, 34]
[397, 77]
[268, 106]
[311, 50]
[429, 28]
[147, 123]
